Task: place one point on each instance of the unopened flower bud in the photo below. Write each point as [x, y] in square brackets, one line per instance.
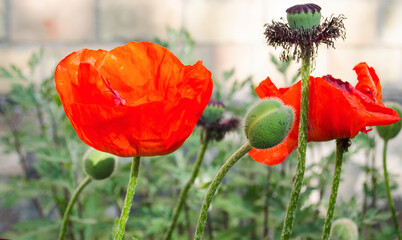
[390, 131]
[304, 16]
[267, 123]
[99, 165]
[344, 229]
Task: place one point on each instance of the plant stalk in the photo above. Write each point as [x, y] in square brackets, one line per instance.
[340, 149]
[214, 186]
[301, 149]
[390, 201]
[184, 191]
[125, 212]
[70, 205]
[266, 205]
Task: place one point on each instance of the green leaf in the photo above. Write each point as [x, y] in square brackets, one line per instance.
[35, 59]
[4, 73]
[228, 74]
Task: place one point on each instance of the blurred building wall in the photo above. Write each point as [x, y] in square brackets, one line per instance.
[228, 33]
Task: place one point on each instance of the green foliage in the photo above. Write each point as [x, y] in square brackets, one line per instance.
[283, 67]
[41, 136]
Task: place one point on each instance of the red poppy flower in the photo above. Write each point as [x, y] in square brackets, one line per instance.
[336, 110]
[135, 100]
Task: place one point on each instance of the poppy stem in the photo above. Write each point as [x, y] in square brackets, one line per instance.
[301, 149]
[70, 205]
[121, 224]
[341, 147]
[390, 201]
[184, 191]
[214, 186]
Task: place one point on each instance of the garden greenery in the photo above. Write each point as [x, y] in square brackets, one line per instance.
[251, 200]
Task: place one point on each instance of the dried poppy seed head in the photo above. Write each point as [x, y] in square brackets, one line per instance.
[304, 16]
[212, 123]
[304, 33]
[213, 112]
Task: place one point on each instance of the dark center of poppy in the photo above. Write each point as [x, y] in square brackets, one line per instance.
[344, 86]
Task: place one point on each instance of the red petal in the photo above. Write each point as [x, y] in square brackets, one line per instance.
[369, 83]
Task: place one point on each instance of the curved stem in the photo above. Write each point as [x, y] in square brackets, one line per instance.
[391, 203]
[125, 212]
[214, 186]
[334, 190]
[70, 205]
[301, 149]
[184, 191]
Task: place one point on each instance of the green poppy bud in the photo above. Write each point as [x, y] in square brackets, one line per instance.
[344, 229]
[304, 16]
[99, 165]
[390, 131]
[267, 123]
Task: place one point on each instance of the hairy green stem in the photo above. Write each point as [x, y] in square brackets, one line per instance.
[302, 145]
[214, 186]
[266, 205]
[70, 205]
[184, 191]
[386, 180]
[340, 149]
[125, 212]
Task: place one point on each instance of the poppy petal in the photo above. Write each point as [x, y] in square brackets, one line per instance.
[369, 83]
[135, 100]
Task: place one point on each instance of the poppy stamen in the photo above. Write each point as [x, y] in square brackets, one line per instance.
[118, 99]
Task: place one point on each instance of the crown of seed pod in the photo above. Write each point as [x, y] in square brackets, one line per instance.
[390, 131]
[99, 165]
[304, 31]
[304, 16]
[213, 112]
[268, 123]
[344, 229]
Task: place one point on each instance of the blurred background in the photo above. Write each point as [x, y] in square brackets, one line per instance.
[227, 35]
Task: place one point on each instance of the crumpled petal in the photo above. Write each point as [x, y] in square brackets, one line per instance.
[336, 110]
[135, 100]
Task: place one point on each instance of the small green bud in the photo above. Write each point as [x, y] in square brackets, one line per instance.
[304, 16]
[344, 229]
[390, 131]
[99, 165]
[267, 123]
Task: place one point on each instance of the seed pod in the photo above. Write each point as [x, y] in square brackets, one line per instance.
[344, 229]
[390, 131]
[304, 16]
[99, 165]
[268, 123]
[213, 112]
